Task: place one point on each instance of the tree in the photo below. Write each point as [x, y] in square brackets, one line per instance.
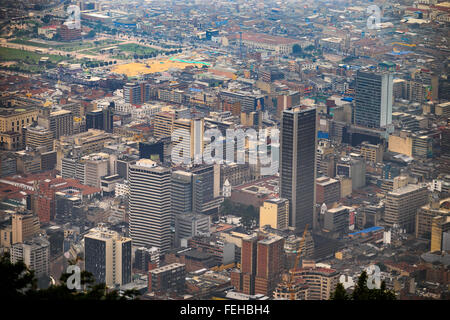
[296, 49]
[247, 222]
[310, 48]
[362, 292]
[227, 206]
[16, 279]
[91, 34]
[46, 19]
[340, 293]
[18, 282]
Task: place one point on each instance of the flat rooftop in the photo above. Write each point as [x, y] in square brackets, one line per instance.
[167, 268]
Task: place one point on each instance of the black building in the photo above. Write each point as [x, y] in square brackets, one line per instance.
[101, 119]
[153, 151]
[297, 164]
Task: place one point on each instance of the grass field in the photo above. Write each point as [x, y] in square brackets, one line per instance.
[30, 43]
[79, 45]
[69, 46]
[9, 54]
[136, 48]
[26, 61]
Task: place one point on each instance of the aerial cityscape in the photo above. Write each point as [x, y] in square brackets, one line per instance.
[238, 150]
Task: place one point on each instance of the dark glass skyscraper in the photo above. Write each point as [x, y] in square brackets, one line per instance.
[297, 164]
[101, 119]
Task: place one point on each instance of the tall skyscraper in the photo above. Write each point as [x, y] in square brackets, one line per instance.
[108, 256]
[191, 133]
[373, 100]
[445, 150]
[298, 163]
[181, 192]
[206, 189]
[269, 265]
[150, 213]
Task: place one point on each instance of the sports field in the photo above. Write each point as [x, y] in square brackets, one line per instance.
[155, 65]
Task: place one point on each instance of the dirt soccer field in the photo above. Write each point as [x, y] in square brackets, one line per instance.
[152, 66]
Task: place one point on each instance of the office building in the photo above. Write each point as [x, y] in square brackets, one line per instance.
[275, 213]
[445, 150]
[440, 234]
[14, 119]
[163, 124]
[188, 140]
[223, 252]
[73, 169]
[38, 137]
[55, 236]
[321, 281]
[328, 190]
[146, 259]
[371, 152]
[136, 93]
[423, 86]
[196, 190]
[35, 253]
[8, 164]
[181, 192]
[153, 151]
[100, 119]
[337, 219]
[373, 99]
[425, 215]
[402, 205]
[354, 168]
[107, 256]
[69, 33]
[269, 265]
[261, 265]
[298, 164]
[45, 201]
[150, 205]
[96, 166]
[170, 278]
[189, 225]
[24, 227]
[248, 101]
[60, 122]
[206, 189]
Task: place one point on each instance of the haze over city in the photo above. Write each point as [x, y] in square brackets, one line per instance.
[224, 150]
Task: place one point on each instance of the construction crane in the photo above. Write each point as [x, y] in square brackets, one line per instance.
[290, 281]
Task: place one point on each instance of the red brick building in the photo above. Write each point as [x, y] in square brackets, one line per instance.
[261, 265]
[69, 34]
[45, 201]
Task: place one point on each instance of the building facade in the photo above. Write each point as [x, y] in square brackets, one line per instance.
[298, 163]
